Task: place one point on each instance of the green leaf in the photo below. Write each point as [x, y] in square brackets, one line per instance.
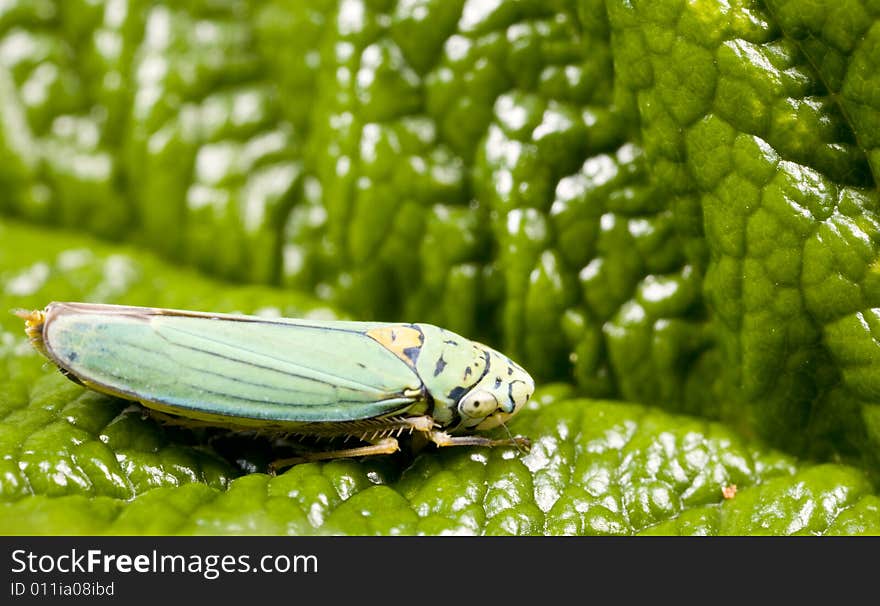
[744, 119]
[652, 201]
[78, 462]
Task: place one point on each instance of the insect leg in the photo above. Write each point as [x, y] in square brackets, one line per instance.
[441, 438]
[423, 423]
[383, 446]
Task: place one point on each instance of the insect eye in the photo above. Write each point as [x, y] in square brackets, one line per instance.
[477, 404]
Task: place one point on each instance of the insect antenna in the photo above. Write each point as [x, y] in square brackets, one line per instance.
[515, 442]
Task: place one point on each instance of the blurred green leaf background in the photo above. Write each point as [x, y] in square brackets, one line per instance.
[667, 211]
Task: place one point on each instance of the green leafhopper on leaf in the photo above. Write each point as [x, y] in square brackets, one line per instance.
[371, 381]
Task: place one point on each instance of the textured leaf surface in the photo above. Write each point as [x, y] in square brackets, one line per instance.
[76, 462]
[664, 202]
[765, 149]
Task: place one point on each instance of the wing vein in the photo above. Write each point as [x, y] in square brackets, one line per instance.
[318, 376]
[140, 348]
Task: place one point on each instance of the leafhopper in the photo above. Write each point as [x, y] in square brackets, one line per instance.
[365, 380]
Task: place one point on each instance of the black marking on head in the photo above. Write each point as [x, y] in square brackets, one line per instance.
[441, 364]
[510, 394]
[497, 382]
[457, 393]
[487, 362]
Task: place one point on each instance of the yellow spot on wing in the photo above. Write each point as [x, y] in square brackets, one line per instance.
[397, 340]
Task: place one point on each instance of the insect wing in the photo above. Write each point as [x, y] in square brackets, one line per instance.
[236, 366]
